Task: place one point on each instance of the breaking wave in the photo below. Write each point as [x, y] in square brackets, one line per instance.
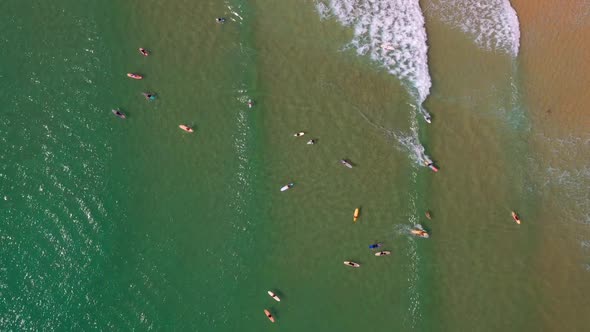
[493, 24]
[391, 32]
[410, 142]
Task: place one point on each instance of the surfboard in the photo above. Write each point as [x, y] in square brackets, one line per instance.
[346, 163]
[352, 264]
[134, 76]
[270, 317]
[186, 128]
[515, 217]
[355, 216]
[287, 186]
[274, 296]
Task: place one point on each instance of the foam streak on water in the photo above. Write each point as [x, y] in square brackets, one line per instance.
[409, 143]
[412, 251]
[563, 172]
[493, 24]
[391, 32]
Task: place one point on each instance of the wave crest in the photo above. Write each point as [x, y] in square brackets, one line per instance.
[492, 23]
[391, 32]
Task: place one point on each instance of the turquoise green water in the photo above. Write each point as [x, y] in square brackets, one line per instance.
[133, 224]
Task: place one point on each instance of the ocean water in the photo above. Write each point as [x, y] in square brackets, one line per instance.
[57, 209]
[113, 224]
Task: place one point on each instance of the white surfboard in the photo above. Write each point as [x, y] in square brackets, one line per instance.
[287, 186]
[274, 296]
[352, 264]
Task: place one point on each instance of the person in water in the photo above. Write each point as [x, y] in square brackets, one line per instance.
[149, 96]
[428, 215]
[311, 141]
[119, 114]
[220, 20]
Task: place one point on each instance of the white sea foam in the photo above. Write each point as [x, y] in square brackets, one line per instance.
[406, 141]
[391, 32]
[493, 24]
[565, 170]
[235, 12]
[411, 143]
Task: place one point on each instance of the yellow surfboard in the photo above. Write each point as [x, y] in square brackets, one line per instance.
[356, 214]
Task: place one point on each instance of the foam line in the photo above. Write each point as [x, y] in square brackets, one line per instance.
[391, 32]
[493, 24]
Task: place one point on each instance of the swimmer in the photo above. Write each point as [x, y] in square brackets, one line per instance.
[149, 96]
[119, 114]
[220, 20]
[375, 246]
[311, 142]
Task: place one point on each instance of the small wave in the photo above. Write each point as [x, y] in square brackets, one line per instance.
[235, 12]
[242, 190]
[391, 32]
[414, 313]
[408, 142]
[493, 24]
[411, 144]
[565, 170]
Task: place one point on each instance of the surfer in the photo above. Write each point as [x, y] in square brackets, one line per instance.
[287, 186]
[134, 76]
[311, 142]
[220, 20]
[515, 217]
[346, 163]
[119, 114]
[431, 165]
[419, 233]
[250, 103]
[375, 246]
[270, 317]
[186, 128]
[149, 96]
